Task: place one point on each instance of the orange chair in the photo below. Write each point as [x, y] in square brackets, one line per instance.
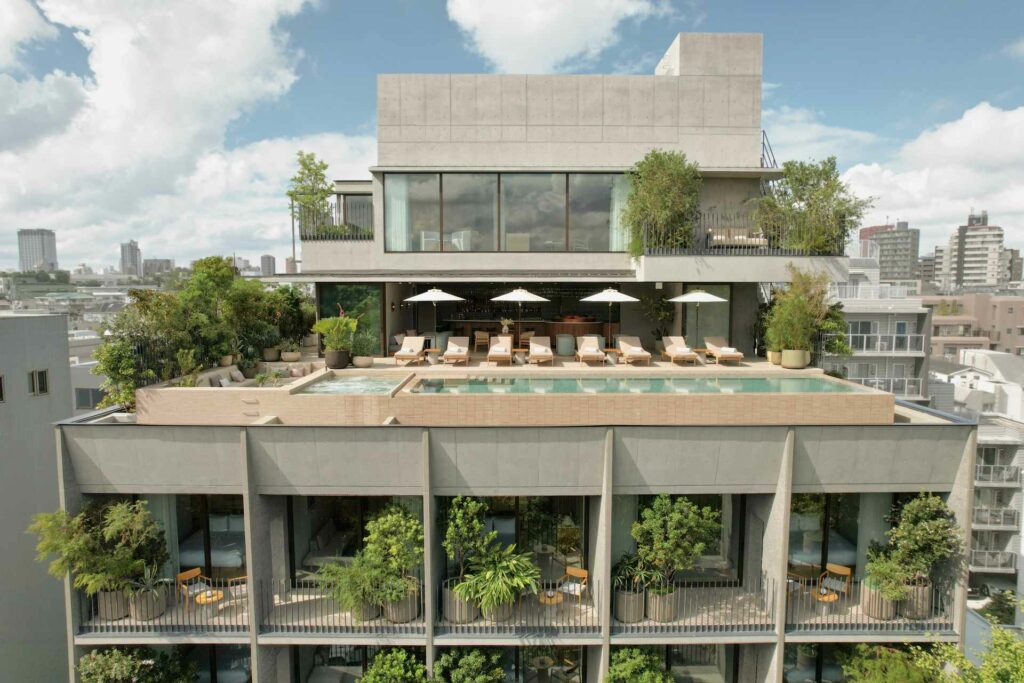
[574, 583]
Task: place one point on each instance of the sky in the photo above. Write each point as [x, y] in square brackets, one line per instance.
[177, 123]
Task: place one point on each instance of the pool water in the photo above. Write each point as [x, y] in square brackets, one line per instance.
[345, 384]
[631, 385]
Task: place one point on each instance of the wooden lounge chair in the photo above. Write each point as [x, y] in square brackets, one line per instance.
[481, 339]
[540, 350]
[588, 349]
[721, 351]
[500, 349]
[411, 351]
[457, 351]
[677, 350]
[633, 350]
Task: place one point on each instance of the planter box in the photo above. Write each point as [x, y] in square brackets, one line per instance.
[918, 603]
[457, 610]
[775, 357]
[404, 610]
[111, 605]
[271, 355]
[663, 607]
[363, 361]
[795, 359]
[874, 605]
[629, 607]
[148, 606]
[225, 361]
[336, 360]
[366, 613]
[500, 613]
[291, 356]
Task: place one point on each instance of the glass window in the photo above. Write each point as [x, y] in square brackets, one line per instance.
[1, 388]
[38, 382]
[412, 211]
[88, 399]
[711, 319]
[470, 211]
[533, 212]
[223, 554]
[596, 201]
[359, 211]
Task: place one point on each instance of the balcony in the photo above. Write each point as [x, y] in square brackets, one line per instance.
[884, 344]
[993, 560]
[995, 517]
[697, 608]
[328, 224]
[997, 475]
[847, 291]
[908, 387]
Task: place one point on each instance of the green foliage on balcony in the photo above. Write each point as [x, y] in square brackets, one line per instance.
[663, 198]
[637, 665]
[138, 665]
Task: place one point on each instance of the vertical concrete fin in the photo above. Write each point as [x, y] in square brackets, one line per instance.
[604, 556]
[70, 498]
[961, 501]
[776, 554]
[429, 582]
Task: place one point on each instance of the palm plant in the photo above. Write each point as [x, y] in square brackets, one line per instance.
[497, 577]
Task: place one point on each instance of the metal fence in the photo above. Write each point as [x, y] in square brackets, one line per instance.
[554, 610]
[995, 474]
[900, 386]
[696, 607]
[883, 343]
[995, 516]
[326, 223]
[993, 559]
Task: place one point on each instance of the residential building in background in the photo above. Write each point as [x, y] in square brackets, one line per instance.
[131, 258]
[974, 257]
[926, 269]
[290, 267]
[34, 393]
[976, 321]
[157, 266]
[898, 247]
[268, 265]
[37, 250]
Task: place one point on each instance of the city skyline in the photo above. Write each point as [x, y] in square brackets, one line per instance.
[203, 170]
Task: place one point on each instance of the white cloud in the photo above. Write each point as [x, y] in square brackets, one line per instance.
[800, 134]
[1015, 49]
[33, 108]
[540, 36]
[934, 180]
[20, 23]
[143, 154]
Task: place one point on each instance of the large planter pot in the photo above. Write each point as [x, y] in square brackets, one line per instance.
[457, 610]
[226, 360]
[363, 361]
[629, 606]
[148, 606]
[336, 360]
[795, 359]
[271, 354]
[663, 607]
[874, 605]
[500, 613]
[366, 613]
[249, 373]
[404, 610]
[291, 356]
[111, 605]
[775, 357]
[918, 603]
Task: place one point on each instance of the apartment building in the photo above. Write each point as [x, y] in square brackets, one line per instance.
[35, 387]
[268, 265]
[898, 247]
[37, 250]
[974, 256]
[486, 183]
[131, 258]
[976, 321]
[156, 266]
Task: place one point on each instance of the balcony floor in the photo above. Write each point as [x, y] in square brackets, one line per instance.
[710, 610]
[306, 610]
[231, 617]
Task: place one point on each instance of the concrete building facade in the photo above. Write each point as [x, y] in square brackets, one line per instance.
[131, 258]
[156, 266]
[898, 247]
[37, 250]
[974, 257]
[976, 321]
[268, 265]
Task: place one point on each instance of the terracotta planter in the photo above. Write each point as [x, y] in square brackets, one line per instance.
[795, 359]
[775, 357]
[629, 606]
[874, 605]
[336, 360]
[291, 356]
[918, 603]
[271, 354]
[226, 360]
[148, 606]
[363, 361]
[500, 613]
[663, 607]
[457, 610]
[111, 605]
[404, 610]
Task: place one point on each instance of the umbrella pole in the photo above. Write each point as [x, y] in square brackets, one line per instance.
[696, 325]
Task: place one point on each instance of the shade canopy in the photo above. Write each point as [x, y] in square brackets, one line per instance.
[697, 296]
[610, 296]
[520, 295]
[433, 295]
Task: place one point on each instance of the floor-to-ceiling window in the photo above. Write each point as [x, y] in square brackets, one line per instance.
[596, 201]
[533, 212]
[470, 211]
[210, 532]
[816, 663]
[412, 211]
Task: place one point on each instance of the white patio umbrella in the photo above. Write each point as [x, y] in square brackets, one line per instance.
[698, 297]
[520, 295]
[610, 296]
[433, 295]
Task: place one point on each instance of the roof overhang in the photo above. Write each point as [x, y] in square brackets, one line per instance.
[707, 172]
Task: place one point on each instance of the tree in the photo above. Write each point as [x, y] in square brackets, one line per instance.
[395, 666]
[309, 192]
[926, 536]
[138, 665]
[884, 664]
[1001, 608]
[810, 208]
[394, 543]
[663, 198]
[1002, 661]
[466, 535]
[671, 535]
[472, 666]
[635, 665]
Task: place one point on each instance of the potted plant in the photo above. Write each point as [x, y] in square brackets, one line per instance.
[466, 537]
[394, 543]
[925, 539]
[353, 586]
[637, 665]
[497, 577]
[671, 536]
[630, 576]
[135, 664]
[471, 666]
[247, 366]
[884, 585]
[147, 598]
[290, 352]
[270, 338]
[773, 344]
[337, 335]
[395, 666]
[364, 346]
[661, 312]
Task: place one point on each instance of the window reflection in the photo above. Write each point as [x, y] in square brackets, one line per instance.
[596, 201]
[533, 212]
[412, 211]
[470, 211]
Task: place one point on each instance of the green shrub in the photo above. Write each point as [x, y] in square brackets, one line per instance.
[497, 576]
[469, 666]
[635, 665]
[663, 198]
[136, 665]
[671, 535]
[395, 666]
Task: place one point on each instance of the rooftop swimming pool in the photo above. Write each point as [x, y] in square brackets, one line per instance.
[504, 384]
[352, 384]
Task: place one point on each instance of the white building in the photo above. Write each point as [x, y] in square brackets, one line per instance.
[268, 265]
[37, 250]
[974, 257]
[131, 258]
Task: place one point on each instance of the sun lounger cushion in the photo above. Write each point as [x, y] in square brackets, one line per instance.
[499, 348]
[727, 349]
[237, 376]
[408, 350]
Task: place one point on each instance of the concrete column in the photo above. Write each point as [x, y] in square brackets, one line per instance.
[776, 552]
[961, 502]
[70, 499]
[429, 532]
[603, 560]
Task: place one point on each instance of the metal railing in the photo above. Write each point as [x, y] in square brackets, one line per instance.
[883, 343]
[993, 559]
[696, 607]
[849, 606]
[995, 516]
[845, 290]
[900, 386]
[554, 610]
[305, 608]
[325, 223]
[197, 607]
[993, 474]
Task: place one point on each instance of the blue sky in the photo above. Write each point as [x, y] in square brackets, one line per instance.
[175, 124]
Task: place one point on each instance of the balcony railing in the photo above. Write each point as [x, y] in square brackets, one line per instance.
[845, 290]
[220, 607]
[696, 607]
[900, 386]
[552, 611]
[997, 474]
[326, 224]
[895, 344]
[851, 607]
[993, 559]
[995, 517]
[305, 608]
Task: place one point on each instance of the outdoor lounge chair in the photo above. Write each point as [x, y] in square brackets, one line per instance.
[588, 349]
[540, 350]
[501, 349]
[457, 351]
[677, 350]
[721, 351]
[633, 350]
[411, 351]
